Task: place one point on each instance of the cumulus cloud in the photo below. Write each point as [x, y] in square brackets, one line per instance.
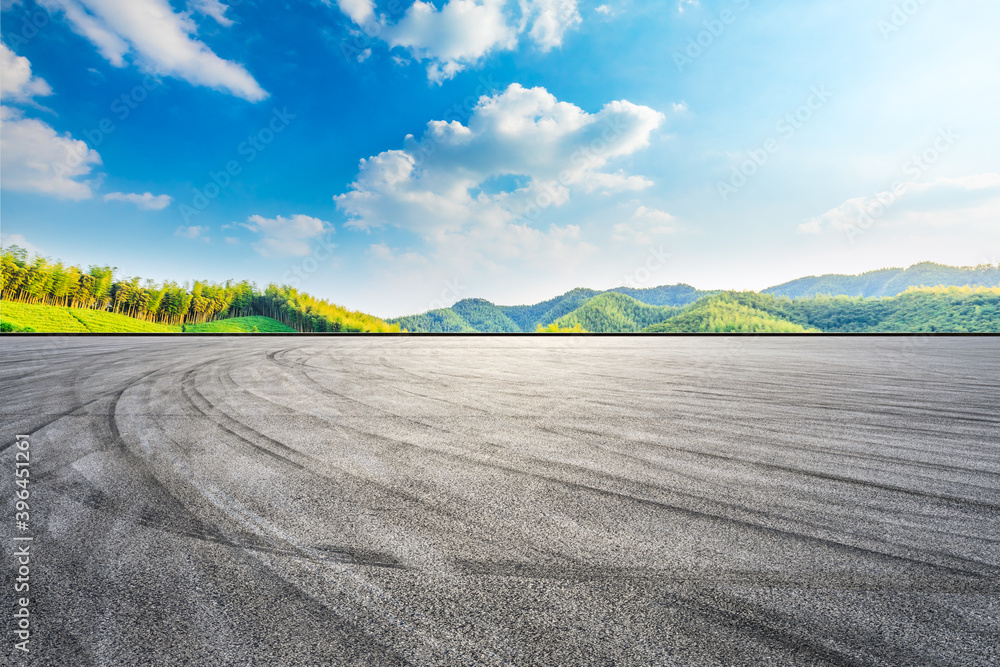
[161, 39]
[16, 81]
[462, 32]
[944, 201]
[359, 11]
[286, 237]
[193, 232]
[486, 183]
[146, 200]
[549, 20]
[212, 8]
[454, 37]
[35, 158]
[682, 4]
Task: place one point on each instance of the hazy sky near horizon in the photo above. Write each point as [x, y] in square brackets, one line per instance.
[394, 156]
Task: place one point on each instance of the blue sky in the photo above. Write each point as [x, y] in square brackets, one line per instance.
[398, 156]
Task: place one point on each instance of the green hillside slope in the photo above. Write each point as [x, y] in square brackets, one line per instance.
[60, 319]
[888, 282]
[615, 313]
[917, 310]
[664, 295]
[725, 313]
[529, 317]
[484, 316]
[443, 320]
[252, 324]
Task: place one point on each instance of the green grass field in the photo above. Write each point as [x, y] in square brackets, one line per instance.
[43, 319]
[57, 319]
[101, 322]
[240, 325]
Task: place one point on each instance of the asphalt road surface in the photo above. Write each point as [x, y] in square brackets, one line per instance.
[505, 500]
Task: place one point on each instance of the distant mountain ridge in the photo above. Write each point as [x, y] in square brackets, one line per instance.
[682, 307]
[888, 282]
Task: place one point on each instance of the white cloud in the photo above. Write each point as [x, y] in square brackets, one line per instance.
[8, 240]
[35, 158]
[606, 10]
[286, 237]
[644, 226]
[359, 11]
[481, 187]
[193, 232]
[454, 37]
[16, 82]
[213, 8]
[161, 39]
[462, 32]
[942, 202]
[550, 19]
[387, 255]
[681, 4]
[146, 200]
[616, 182]
[109, 44]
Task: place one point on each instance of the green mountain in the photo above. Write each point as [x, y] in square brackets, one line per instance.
[484, 316]
[443, 320]
[917, 310]
[887, 300]
[479, 315]
[729, 312]
[889, 282]
[612, 312]
[528, 318]
[664, 295]
[466, 316]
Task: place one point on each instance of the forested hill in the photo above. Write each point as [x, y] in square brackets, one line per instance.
[618, 309]
[790, 307]
[917, 310]
[889, 282]
[664, 295]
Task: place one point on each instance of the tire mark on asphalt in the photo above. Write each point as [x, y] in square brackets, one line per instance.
[697, 513]
[243, 432]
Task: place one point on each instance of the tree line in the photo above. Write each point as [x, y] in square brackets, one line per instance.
[38, 280]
